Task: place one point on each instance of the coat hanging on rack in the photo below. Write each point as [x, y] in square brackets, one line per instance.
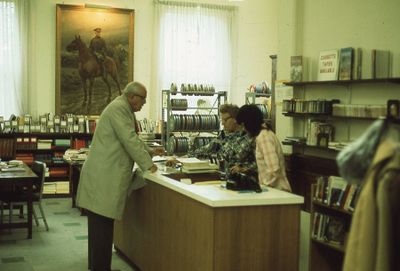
[373, 243]
[374, 239]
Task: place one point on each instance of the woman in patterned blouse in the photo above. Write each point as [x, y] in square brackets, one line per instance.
[269, 154]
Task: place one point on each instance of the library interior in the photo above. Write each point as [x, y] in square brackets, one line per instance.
[212, 135]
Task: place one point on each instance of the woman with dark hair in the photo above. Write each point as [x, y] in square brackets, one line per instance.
[269, 154]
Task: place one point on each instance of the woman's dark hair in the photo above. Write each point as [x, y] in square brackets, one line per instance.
[252, 118]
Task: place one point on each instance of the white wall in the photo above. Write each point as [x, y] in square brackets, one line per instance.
[255, 32]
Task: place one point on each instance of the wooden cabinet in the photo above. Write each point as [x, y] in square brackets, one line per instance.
[168, 227]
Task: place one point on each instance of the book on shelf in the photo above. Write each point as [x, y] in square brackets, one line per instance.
[296, 68]
[336, 186]
[61, 142]
[328, 65]
[354, 198]
[357, 64]
[49, 188]
[334, 230]
[327, 228]
[335, 192]
[380, 64]
[346, 63]
[44, 144]
[62, 187]
[319, 133]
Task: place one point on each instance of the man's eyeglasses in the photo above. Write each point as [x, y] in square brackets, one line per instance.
[144, 98]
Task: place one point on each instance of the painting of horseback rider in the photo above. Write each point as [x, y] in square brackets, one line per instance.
[94, 56]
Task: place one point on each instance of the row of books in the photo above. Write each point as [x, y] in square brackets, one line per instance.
[344, 64]
[58, 171]
[336, 192]
[79, 143]
[33, 143]
[56, 188]
[28, 158]
[320, 106]
[328, 229]
[49, 123]
[149, 126]
[360, 111]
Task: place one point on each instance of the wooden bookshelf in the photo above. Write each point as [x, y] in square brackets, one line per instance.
[324, 116]
[28, 150]
[394, 80]
[325, 255]
[339, 248]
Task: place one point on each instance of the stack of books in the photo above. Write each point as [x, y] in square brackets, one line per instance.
[44, 144]
[194, 165]
[49, 188]
[62, 187]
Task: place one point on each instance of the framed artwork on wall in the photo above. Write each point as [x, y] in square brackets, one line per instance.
[94, 57]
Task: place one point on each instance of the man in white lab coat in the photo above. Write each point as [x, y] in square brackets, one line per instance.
[107, 172]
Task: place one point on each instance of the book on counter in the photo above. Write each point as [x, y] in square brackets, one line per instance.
[328, 65]
[296, 68]
[195, 165]
[346, 63]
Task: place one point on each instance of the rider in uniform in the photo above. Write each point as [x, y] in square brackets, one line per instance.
[98, 47]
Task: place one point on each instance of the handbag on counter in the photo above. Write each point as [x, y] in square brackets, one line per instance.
[242, 181]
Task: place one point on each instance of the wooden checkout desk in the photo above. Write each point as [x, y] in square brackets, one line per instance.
[169, 225]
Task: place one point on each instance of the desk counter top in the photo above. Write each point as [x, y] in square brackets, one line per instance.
[216, 196]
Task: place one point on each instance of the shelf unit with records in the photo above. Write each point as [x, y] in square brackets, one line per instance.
[263, 102]
[191, 117]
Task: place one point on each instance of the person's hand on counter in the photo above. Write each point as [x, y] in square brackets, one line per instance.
[171, 162]
[153, 168]
[158, 151]
[238, 169]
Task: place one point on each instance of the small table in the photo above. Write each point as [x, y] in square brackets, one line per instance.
[75, 167]
[24, 178]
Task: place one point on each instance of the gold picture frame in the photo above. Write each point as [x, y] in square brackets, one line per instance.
[89, 76]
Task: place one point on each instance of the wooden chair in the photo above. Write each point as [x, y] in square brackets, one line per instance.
[8, 147]
[19, 197]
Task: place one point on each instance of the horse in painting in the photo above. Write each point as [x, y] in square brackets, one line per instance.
[90, 68]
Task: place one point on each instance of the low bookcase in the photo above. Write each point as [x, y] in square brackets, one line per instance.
[330, 225]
